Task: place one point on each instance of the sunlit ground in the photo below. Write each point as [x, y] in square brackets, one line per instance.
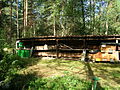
[108, 74]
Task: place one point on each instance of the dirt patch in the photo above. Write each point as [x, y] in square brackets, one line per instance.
[42, 70]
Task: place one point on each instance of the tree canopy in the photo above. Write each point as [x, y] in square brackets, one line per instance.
[28, 18]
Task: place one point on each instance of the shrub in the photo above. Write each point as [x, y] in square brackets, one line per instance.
[8, 67]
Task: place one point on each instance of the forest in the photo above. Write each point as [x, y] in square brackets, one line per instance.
[28, 18]
[31, 18]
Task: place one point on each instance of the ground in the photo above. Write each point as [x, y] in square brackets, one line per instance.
[108, 73]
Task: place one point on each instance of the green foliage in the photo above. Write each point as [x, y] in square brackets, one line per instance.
[61, 83]
[20, 81]
[65, 16]
[9, 65]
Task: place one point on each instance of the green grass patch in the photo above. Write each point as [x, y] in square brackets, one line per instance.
[56, 74]
[115, 74]
[59, 83]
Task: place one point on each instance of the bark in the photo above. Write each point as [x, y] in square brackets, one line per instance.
[0, 12]
[83, 15]
[10, 29]
[25, 16]
[54, 27]
[61, 23]
[11, 15]
[106, 33]
[90, 15]
[94, 31]
[1, 6]
[31, 18]
[100, 13]
[18, 32]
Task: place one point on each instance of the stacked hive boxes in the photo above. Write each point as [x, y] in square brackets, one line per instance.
[108, 53]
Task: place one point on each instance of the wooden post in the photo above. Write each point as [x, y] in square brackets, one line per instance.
[84, 50]
[117, 52]
[117, 41]
[57, 49]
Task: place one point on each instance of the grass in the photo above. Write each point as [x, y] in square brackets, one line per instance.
[109, 74]
[59, 83]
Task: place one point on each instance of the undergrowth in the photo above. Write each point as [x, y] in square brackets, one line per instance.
[9, 66]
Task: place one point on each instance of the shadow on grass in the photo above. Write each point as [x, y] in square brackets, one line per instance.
[111, 65]
[29, 61]
[116, 76]
[91, 75]
[19, 82]
[109, 71]
[31, 82]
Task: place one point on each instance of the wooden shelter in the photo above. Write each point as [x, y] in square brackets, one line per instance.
[98, 48]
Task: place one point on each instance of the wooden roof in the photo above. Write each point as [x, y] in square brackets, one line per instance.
[74, 37]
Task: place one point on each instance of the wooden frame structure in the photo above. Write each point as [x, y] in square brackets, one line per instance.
[98, 48]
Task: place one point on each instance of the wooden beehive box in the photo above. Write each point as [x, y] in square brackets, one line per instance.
[108, 53]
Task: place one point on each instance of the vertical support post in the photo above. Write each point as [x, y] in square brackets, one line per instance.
[57, 49]
[84, 55]
[117, 41]
[84, 51]
[17, 44]
[32, 47]
[117, 52]
[84, 43]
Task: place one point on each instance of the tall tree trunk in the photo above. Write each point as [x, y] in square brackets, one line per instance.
[83, 15]
[100, 13]
[106, 23]
[94, 18]
[0, 11]
[54, 27]
[0, 7]
[11, 15]
[73, 17]
[10, 29]
[25, 14]
[90, 15]
[18, 32]
[23, 18]
[62, 15]
[30, 20]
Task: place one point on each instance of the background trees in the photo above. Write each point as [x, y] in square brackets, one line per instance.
[27, 18]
